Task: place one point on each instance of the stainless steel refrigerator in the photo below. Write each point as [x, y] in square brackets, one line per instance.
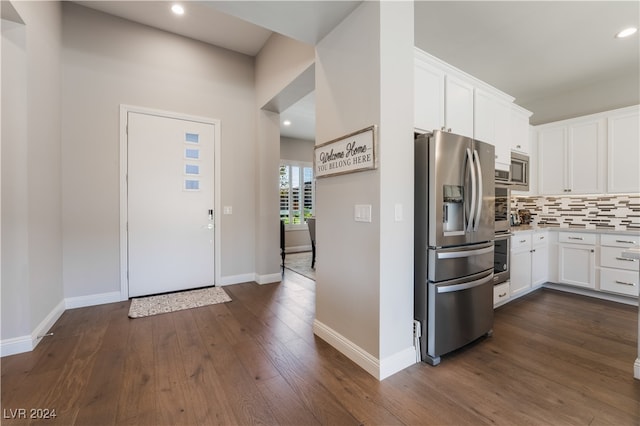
[454, 231]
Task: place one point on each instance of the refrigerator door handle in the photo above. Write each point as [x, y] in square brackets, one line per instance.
[476, 158]
[464, 286]
[473, 190]
[465, 253]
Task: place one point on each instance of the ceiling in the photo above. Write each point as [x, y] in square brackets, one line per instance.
[559, 59]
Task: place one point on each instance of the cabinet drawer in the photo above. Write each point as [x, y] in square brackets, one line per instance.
[521, 241]
[617, 281]
[500, 293]
[540, 238]
[619, 240]
[611, 257]
[577, 238]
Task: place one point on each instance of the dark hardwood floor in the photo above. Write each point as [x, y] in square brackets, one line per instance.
[554, 359]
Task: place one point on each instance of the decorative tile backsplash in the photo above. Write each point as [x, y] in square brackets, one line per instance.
[617, 212]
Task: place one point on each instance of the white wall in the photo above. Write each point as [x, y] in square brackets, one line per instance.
[364, 300]
[32, 289]
[109, 61]
[280, 61]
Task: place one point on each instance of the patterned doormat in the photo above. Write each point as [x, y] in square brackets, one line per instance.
[171, 302]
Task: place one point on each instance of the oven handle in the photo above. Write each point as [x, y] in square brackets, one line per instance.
[464, 286]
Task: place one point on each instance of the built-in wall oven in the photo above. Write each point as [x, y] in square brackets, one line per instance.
[502, 208]
[501, 260]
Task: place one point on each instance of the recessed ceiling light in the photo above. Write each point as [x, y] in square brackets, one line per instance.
[177, 9]
[286, 123]
[627, 32]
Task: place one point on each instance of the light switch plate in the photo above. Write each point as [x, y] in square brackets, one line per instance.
[362, 213]
[398, 212]
[227, 210]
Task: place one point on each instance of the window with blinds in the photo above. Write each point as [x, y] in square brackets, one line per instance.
[296, 193]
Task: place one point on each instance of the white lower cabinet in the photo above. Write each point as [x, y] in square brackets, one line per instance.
[588, 260]
[577, 259]
[529, 261]
[618, 274]
[500, 293]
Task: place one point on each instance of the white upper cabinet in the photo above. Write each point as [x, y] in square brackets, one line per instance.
[428, 96]
[571, 157]
[492, 124]
[458, 106]
[594, 154]
[623, 145]
[552, 160]
[448, 98]
[520, 130]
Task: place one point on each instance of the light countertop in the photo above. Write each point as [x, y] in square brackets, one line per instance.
[539, 228]
[632, 253]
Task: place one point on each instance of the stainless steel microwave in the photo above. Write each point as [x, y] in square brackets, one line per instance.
[519, 172]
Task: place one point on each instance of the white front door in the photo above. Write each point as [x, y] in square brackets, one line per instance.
[170, 185]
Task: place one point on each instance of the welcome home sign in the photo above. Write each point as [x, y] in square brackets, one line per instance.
[354, 152]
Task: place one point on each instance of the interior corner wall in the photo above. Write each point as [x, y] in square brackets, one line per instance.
[396, 186]
[108, 61]
[280, 61]
[348, 252]
[267, 198]
[14, 286]
[32, 288]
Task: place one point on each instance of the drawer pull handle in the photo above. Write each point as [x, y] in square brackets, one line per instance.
[575, 238]
[625, 283]
[626, 259]
[502, 295]
[625, 242]
[523, 241]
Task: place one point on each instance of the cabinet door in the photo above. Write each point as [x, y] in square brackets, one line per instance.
[458, 103]
[491, 125]
[520, 271]
[624, 151]
[585, 165]
[539, 265]
[519, 131]
[551, 160]
[576, 265]
[429, 97]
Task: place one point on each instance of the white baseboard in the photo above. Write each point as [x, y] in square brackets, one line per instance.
[236, 279]
[352, 351]
[397, 362]
[297, 249]
[16, 345]
[27, 343]
[636, 368]
[92, 300]
[627, 300]
[269, 278]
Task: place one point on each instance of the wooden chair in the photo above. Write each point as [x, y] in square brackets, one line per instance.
[311, 224]
[282, 253]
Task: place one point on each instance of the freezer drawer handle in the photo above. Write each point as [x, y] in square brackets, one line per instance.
[466, 253]
[465, 286]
